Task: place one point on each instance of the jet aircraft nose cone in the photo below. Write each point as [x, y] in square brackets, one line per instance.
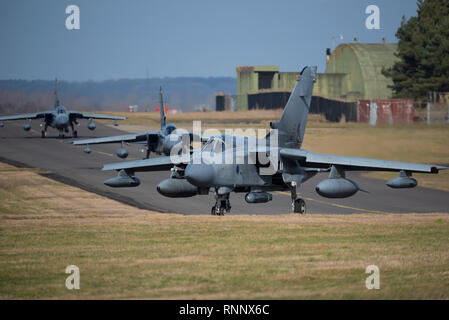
[200, 175]
[61, 121]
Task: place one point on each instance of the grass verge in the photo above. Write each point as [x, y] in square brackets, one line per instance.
[124, 252]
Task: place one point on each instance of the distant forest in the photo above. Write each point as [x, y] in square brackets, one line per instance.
[183, 93]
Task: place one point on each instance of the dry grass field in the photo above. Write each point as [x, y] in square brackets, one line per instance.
[411, 143]
[220, 120]
[123, 252]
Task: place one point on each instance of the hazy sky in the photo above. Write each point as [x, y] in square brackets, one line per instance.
[123, 39]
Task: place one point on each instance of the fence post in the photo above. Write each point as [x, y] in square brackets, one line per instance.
[447, 116]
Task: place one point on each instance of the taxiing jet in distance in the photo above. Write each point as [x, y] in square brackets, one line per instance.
[157, 141]
[60, 118]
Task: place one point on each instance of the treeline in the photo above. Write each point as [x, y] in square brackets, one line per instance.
[423, 52]
[185, 94]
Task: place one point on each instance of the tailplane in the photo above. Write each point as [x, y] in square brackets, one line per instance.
[292, 125]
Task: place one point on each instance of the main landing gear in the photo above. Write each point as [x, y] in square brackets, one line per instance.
[74, 132]
[222, 204]
[298, 204]
[44, 130]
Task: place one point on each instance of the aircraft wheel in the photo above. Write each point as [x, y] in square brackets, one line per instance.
[217, 211]
[43, 134]
[299, 206]
[75, 134]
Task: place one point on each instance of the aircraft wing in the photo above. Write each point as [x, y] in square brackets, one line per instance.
[84, 115]
[152, 164]
[132, 137]
[25, 116]
[321, 160]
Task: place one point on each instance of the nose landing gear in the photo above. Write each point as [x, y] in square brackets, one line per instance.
[74, 132]
[44, 129]
[222, 204]
[298, 204]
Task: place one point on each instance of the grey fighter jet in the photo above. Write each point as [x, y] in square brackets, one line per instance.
[157, 141]
[288, 167]
[60, 118]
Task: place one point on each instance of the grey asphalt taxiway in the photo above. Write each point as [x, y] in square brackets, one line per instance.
[64, 162]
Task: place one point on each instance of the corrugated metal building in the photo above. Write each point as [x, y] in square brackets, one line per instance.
[389, 111]
[353, 72]
[224, 102]
[362, 63]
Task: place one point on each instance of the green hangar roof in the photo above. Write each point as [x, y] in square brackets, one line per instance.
[363, 62]
[353, 72]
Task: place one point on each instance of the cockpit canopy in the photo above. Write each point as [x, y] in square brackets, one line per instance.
[61, 109]
[215, 144]
[169, 128]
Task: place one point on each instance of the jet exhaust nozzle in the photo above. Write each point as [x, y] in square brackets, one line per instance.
[123, 180]
[336, 188]
[258, 197]
[177, 188]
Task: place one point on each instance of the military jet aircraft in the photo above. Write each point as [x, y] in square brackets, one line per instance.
[157, 141]
[60, 118]
[289, 165]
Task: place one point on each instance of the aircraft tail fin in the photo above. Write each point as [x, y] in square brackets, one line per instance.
[56, 93]
[292, 125]
[162, 109]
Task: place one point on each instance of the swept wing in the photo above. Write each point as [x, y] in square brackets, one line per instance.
[132, 137]
[321, 160]
[85, 115]
[26, 116]
[152, 164]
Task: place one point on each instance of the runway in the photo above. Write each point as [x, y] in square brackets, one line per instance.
[64, 162]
